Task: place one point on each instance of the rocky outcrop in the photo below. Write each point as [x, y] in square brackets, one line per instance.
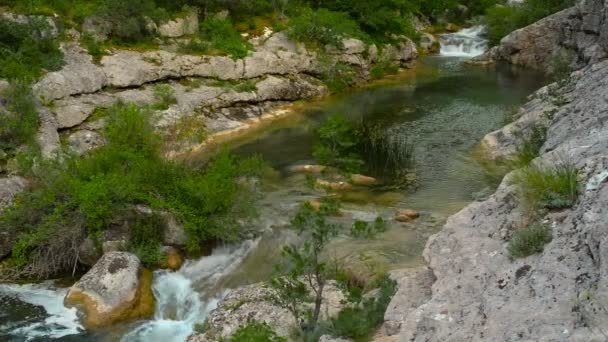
[117, 288]
[578, 35]
[255, 302]
[179, 27]
[481, 294]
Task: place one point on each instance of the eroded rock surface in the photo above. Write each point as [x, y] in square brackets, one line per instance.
[481, 294]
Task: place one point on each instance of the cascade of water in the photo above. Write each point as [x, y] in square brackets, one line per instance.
[468, 42]
[59, 321]
[178, 304]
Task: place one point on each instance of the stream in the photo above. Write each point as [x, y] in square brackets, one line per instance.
[443, 108]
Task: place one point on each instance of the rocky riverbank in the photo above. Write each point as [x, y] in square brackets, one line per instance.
[481, 293]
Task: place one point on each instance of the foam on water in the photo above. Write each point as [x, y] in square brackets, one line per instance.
[178, 304]
[60, 321]
[468, 42]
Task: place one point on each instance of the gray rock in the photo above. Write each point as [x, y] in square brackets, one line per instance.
[83, 141]
[558, 295]
[179, 27]
[582, 29]
[48, 137]
[88, 252]
[429, 43]
[98, 27]
[174, 233]
[50, 31]
[110, 291]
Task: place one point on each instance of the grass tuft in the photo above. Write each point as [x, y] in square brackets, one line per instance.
[547, 187]
[530, 240]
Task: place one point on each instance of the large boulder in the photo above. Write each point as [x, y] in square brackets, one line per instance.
[116, 289]
[255, 302]
[578, 35]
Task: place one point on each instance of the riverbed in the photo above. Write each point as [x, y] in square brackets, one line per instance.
[443, 108]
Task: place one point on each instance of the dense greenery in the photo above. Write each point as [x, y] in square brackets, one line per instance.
[218, 35]
[368, 230]
[338, 145]
[88, 195]
[19, 123]
[26, 50]
[502, 20]
[530, 240]
[256, 332]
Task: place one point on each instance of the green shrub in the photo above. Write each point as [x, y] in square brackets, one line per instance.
[85, 195]
[25, 53]
[256, 332]
[164, 94]
[337, 75]
[18, 125]
[337, 145]
[145, 239]
[368, 230]
[322, 27]
[130, 20]
[383, 68]
[548, 187]
[530, 240]
[93, 46]
[218, 35]
[360, 320]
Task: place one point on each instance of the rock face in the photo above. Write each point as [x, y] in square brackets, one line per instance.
[179, 27]
[561, 294]
[578, 34]
[117, 288]
[254, 303]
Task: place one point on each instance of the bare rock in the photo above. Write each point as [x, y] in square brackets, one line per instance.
[357, 179]
[88, 252]
[174, 233]
[116, 289]
[308, 168]
[406, 215]
[83, 141]
[179, 27]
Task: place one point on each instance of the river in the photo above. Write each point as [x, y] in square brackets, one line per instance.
[443, 108]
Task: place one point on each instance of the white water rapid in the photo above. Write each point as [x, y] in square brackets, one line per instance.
[59, 321]
[468, 42]
[179, 305]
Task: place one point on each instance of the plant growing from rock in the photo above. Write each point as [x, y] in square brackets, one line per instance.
[530, 240]
[543, 187]
[256, 332]
[303, 274]
[164, 94]
[530, 147]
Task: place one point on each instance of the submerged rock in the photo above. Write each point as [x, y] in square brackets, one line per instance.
[406, 215]
[116, 289]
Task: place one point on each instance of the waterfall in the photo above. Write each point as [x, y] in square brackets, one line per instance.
[468, 42]
[178, 304]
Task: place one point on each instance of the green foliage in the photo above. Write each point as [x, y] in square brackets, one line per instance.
[18, 125]
[337, 75]
[368, 230]
[146, 238]
[85, 195]
[329, 206]
[93, 46]
[25, 52]
[164, 94]
[361, 319]
[303, 265]
[383, 68]
[337, 145]
[548, 187]
[323, 27]
[218, 35]
[130, 20]
[504, 19]
[530, 240]
[256, 332]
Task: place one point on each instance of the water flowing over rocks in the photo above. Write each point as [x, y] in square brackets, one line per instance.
[480, 293]
[117, 288]
[578, 34]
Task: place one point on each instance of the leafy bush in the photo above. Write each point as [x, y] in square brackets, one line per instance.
[25, 52]
[18, 125]
[145, 239]
[130, 20]
[337, 145]
[368, 230]
[85, 195]
[218, 35]
[93, 46]
[322, 27]
[383, 68]
[548, 187]
[530, 240]
[502, 20]
[164, 95]
[360, 320]
[256, 332]
[337, 75]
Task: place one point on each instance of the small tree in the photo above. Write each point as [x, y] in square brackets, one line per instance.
[303, 275]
